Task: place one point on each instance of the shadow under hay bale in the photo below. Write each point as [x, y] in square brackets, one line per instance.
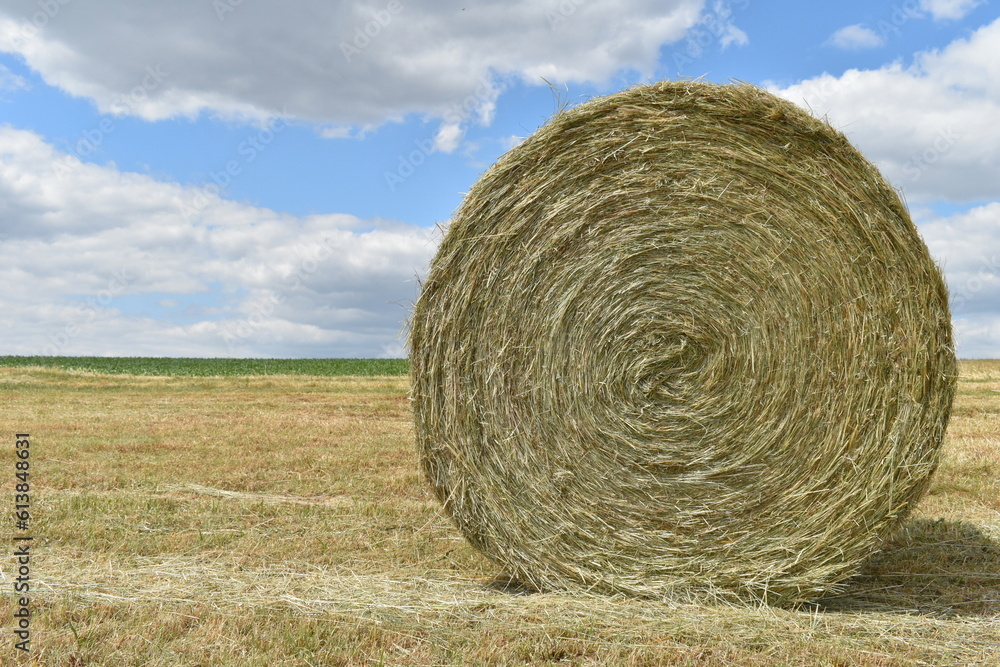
[683, 338]
[505, 583]
[942, 568]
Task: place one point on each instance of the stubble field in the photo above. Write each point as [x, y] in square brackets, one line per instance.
[282, 520]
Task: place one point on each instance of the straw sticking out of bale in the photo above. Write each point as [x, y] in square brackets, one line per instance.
[683, 338]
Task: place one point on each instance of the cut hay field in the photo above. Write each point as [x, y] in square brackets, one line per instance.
[282, 520]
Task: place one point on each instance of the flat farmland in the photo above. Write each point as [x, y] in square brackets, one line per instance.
[281, 519]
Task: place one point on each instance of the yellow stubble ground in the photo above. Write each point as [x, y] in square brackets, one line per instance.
[282, 520]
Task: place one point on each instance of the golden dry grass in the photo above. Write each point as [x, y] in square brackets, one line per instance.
[283, 521]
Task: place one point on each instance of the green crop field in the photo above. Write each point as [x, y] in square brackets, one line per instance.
[211, 367]
[187, 513]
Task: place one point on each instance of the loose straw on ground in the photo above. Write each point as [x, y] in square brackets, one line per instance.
[682, 339]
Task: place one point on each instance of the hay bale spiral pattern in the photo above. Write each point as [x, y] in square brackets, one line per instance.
[683, 338]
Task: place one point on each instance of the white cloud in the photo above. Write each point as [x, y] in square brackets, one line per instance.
[333, 63]
[968, 247]
[856, 37]
[87, 250]
[347, 67]
[721, 17]
[336, 132]
[448, 137]
[949, 9]
[733, 35]
[977, 338]
[930, 126]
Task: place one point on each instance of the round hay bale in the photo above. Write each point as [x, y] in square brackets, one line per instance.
[683, 338]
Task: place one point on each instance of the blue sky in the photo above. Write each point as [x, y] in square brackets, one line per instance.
[217, 178]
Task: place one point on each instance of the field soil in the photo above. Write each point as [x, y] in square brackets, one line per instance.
[282, 520]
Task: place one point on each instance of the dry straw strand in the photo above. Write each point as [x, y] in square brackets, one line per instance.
[683, 340]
